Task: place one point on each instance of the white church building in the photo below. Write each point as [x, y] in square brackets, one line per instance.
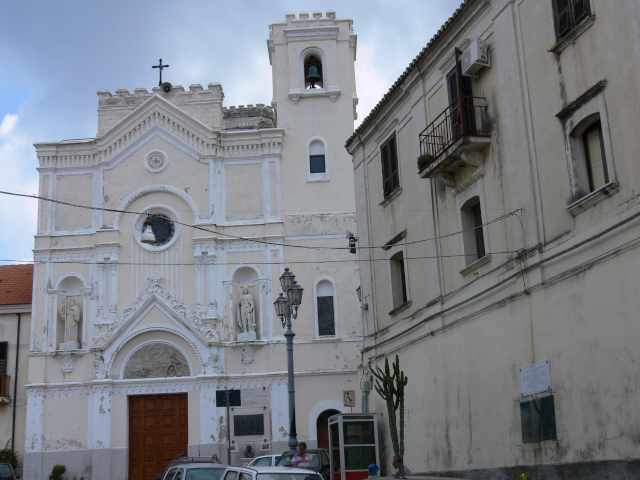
[157, 264]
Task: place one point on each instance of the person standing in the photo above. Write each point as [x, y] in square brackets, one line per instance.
[301, 459]
[396, 465]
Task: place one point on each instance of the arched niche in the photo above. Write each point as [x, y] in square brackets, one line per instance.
[70, 313]
[246, 295]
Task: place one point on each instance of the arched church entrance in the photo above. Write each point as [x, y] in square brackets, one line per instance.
[323, 428]
[158, 432]
[158, 423]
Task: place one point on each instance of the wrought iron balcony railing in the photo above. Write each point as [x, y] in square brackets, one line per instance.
[463, 118]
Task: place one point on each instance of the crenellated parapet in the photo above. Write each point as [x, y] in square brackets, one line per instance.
[249, 117]
[203, 104]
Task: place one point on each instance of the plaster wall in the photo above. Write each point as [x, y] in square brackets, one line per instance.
[556, 285]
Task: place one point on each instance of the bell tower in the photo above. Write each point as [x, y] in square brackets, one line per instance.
[314, 95]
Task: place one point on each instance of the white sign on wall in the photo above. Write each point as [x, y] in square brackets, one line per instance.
[535, 378]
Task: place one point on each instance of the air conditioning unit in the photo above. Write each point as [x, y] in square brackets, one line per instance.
[474, 58]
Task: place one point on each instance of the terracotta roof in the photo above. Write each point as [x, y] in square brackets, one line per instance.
[408, 70]
[16, 284]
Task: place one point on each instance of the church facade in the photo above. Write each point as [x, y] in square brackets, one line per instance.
[157, 262]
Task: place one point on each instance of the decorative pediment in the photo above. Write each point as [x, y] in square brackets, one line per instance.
[158, 117]
[157, 293]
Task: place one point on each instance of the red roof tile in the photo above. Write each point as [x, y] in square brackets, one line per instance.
[16, 284]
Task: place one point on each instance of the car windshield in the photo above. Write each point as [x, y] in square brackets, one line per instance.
[204, 473]
[5, 468]
[287, 476]
[261, 462]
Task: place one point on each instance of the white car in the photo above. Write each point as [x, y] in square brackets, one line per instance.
[264, 461]
[269, 473]
[188, 468]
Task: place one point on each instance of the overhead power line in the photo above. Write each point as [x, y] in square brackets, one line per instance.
[255, 240]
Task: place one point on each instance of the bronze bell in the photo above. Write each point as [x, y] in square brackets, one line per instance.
[313, 77]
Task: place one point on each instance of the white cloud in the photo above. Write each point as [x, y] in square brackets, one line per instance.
[8, 123]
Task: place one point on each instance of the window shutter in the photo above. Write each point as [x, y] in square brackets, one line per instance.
[386, 177]
[561, 17]
[393, 164]
[580, 10]
[4, 348]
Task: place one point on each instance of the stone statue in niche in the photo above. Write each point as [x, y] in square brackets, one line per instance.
[71, 316]
[246, 316]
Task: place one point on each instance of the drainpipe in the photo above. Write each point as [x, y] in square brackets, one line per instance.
[15, 386]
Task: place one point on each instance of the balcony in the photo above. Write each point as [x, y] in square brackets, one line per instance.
[5, 382]
[455, 138]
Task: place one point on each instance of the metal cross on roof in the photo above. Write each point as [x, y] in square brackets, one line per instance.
[160, 66]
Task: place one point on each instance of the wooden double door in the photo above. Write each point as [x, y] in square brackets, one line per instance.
[158, 431]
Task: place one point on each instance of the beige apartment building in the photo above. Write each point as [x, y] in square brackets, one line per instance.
[497, 195]
[158, 261]
[16, 286]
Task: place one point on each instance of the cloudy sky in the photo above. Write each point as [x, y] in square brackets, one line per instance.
[55, 56]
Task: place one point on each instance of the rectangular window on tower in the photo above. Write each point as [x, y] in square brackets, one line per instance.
[326, 322]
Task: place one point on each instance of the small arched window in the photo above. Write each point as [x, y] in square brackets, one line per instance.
[313, 72]
[326, 308]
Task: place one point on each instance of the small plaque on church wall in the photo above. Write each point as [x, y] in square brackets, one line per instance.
[255, 397]
[535, 378]
[246, 425]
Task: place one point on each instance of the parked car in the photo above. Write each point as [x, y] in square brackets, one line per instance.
[264, 461]
[193, 468]
[319, 461]
[269, 473]
[7, 473]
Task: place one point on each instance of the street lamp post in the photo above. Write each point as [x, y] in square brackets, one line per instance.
[286, 307]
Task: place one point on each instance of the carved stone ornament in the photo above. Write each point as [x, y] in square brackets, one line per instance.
[99, 368]
[67, 363]
[211, 366]
[247, 353]
[156, 161]
[156, 287]
[156, 360]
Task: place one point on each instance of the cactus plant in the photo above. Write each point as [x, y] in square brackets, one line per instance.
[390, 386]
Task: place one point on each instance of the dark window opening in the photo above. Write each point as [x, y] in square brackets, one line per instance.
[569, 13]
[538, 419]
[472, 230]
[460, 100]
[595, 157]
[477, 223]
[316, 164]
[4, 351]
[163, 229]
[313, 73]
[326, 317]
[390, 174]
[398, 280]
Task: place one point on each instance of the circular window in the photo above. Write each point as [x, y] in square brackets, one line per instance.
[163, 229]
[156, 229]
